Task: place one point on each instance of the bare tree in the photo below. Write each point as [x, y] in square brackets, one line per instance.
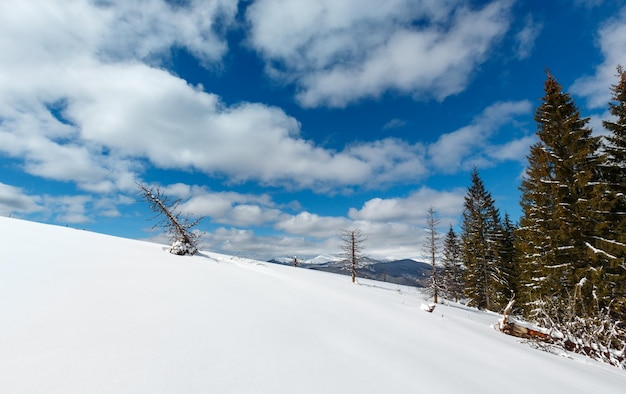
[295, 261]
[184, 241]
[432, 249]
[352, 246]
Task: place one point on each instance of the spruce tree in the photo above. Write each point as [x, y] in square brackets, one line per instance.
[479, 239]
[560, 197]
[452, 277]
[612, 234]
[507, 259]
[533, 241]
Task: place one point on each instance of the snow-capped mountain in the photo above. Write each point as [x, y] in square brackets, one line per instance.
[406, 272]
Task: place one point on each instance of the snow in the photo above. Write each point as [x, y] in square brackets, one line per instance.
[323, 259]
[89, 313]
[599, 251]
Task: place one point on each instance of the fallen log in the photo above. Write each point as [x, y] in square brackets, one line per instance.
[511, 327]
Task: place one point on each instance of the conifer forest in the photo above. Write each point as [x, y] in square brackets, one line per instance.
[564, 263]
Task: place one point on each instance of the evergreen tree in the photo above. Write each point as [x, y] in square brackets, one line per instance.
[612, 237]
[560, 195]
[452, 278]
[507, 259]
[533, 242]
[479, 239]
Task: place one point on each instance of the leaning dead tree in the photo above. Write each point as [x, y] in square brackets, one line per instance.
[352, 246]
[177, 227]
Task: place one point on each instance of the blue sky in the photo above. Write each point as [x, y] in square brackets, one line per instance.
[283, 122]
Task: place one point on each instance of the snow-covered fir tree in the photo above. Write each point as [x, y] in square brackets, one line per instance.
[612, 233]
[560, 197]
[507, 258]
[484, 282]
[452, 273]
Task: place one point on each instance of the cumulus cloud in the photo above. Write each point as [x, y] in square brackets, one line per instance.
[313, 225]
[69, 209]
[612, 43]
[55, 56]
[82, 101]
[462, 148]
[515, 150]
[147, 29]
[394, 226]
[384, 240]
[86, 97]
[390, 160]
[235, 209]
[338, 52]
[248, 244]
[412, 209]
[15, 200]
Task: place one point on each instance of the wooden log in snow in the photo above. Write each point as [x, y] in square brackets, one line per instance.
[517, 330]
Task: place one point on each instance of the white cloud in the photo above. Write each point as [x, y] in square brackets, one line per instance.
[394, 123]
[384, 240]
[392, 240]
[247, 244]
[73, 110]
[53, 59]
[15, 200]
[148, 29]
[470, 144]
[69, 209]
[313, 225]
[513, 150]
[526, 37]
[412, 209]
[394, 227]
[612, 42]
[391, 160]
[236, 209]
[338, 52]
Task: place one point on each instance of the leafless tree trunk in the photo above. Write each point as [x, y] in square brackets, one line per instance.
[432, 248]
[352, 246]
[295, 261]
[184, 241]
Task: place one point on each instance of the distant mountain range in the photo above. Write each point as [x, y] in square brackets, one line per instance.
[403, 272]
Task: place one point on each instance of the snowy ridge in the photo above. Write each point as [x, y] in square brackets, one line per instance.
[321, 259]
[90, 313]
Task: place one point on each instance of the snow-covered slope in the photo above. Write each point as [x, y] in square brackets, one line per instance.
[88, 313]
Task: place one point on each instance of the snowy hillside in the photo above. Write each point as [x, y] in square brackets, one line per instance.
[88, 313]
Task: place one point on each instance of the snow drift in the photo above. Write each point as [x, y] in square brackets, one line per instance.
[88, 313]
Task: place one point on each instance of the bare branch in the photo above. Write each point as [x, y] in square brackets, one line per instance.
[352, 246]
[184, 241]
